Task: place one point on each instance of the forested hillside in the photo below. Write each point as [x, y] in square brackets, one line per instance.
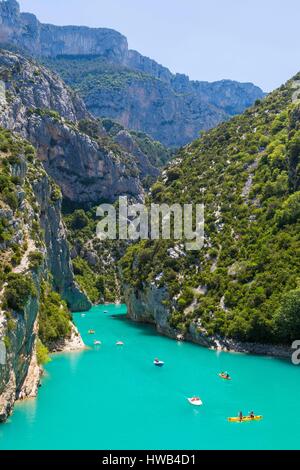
[245, 282]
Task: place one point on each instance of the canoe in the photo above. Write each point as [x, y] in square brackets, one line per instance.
[245, 419]
[195, 402]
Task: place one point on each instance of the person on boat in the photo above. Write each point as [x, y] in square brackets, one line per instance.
[241, 415]
[252, 415]
[225, 375]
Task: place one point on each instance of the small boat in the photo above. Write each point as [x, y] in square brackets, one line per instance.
[83, 315]
[105, 311]
[119, 343]
[224, 376]
[245, 419]
[97, 343]
[158, 363]
[91, 332]
[196, 401]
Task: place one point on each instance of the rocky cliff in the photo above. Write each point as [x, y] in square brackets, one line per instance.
[24, 31]
[171, 109]
[76, 150]
[121, 84]
[34, 253]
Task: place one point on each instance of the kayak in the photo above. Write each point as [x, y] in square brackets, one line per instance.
[158, 363]
[245, 419]
[224, 377]
[195, 401]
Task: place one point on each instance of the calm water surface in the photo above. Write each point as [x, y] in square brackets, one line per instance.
[112, 397]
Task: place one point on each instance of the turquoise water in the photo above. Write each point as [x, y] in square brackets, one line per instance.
[112, 397]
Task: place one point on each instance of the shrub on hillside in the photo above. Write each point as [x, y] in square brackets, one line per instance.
[20, 288]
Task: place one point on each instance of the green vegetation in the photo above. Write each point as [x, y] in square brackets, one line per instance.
[86, 74]
[36, 259]
[5, 231]
[13, 152]
[157, 153]
[44, 112]
[287, 318]
[95, 264]
[7, 343]
[244, 283]
[10, 147]
[19, 290]
[54, 317]
[42, 353]
[79, 220]
[86, 278]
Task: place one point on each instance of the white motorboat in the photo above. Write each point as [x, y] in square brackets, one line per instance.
[195, 401]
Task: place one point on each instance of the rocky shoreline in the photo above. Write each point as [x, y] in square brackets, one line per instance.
[227, 344]
[147, 307]
[71, 344]
[222, 344]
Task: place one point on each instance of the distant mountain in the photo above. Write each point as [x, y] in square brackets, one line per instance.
[121, 84]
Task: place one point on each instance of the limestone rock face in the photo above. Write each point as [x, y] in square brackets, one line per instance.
[58, 253]
[36, 226]
[41, 108]
[147, 306]
[126, 141]
[29, 35]
[169, 113]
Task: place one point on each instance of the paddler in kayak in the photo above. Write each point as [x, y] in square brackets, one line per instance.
[241, 416]
[225, 375]
[252, 415]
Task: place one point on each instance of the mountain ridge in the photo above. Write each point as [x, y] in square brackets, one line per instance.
[172, 109]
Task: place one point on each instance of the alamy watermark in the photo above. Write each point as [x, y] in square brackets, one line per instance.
[159, 221]
[296, 354]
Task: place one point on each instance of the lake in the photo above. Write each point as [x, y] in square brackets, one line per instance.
[113, 397]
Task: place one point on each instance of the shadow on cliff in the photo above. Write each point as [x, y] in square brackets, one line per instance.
[144, 328]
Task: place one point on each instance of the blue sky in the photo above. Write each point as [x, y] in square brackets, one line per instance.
[245, 40]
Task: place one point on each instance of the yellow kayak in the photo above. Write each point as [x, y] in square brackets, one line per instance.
[244, 419]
